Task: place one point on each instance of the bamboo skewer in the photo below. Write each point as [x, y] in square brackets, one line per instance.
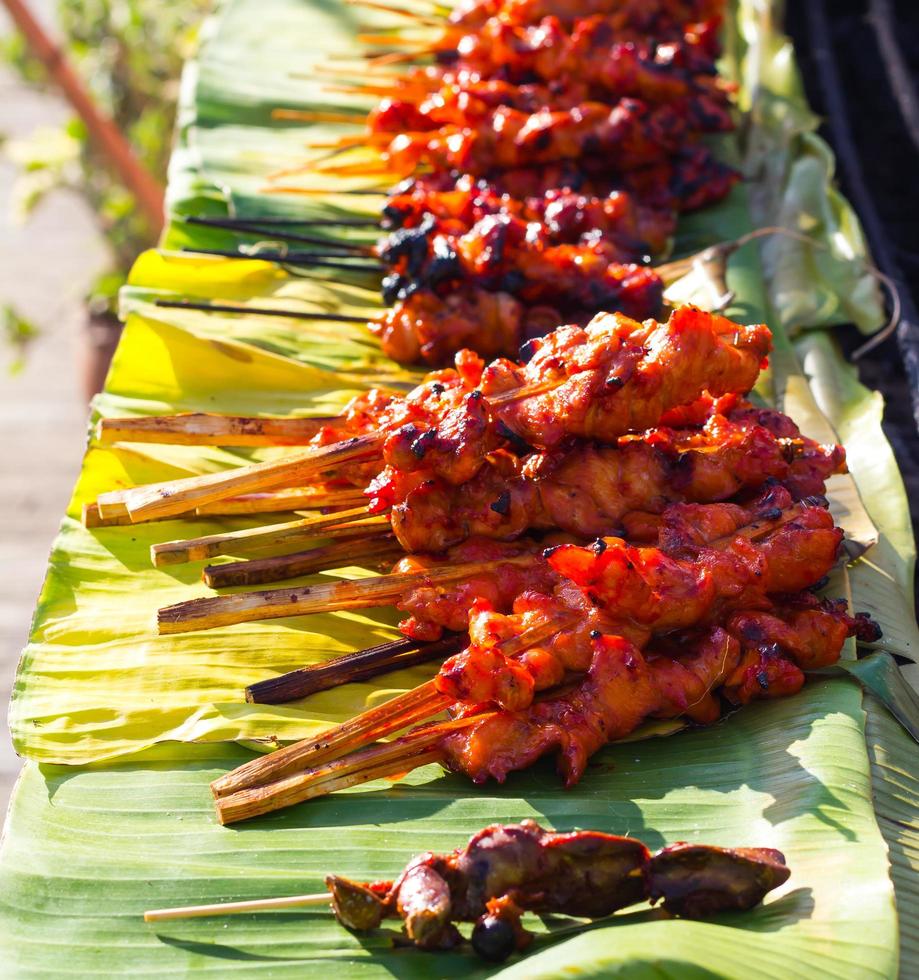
[353, 667]
[399, 11]
[260, 571]
[424, 702]
[92, 517]
[400, 43]
[267, 502]
[186, 304]
[247, 607]
[238, 908]
[355, 118]
[288, 499]
[178, 496]
[208, 429]
[257, 538]
[309, 753]
[347, 261]
[232, 224]
[379, 763]
[286, 235]
[762, 526]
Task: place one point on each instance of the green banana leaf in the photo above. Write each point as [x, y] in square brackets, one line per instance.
[96, 685]
[825, 280]
[87, 851]
[792, 164]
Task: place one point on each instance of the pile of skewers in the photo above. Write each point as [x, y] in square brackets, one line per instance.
[543, 155]
[601, 534]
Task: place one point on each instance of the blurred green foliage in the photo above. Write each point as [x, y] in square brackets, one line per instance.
[17, 333]
[130, 54]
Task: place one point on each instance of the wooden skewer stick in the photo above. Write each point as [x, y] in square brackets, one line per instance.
[181, 496]
[112, 505]
[393, 40]
[378, 762]
[267, 502]
[379, 659]
[400, 57]
[341, 143]
[762, 526]
[382, 91]
[248, 607]
[357, 66]
[207, 429]
[362, 550]
[358, 169]
[92, 516]
[289, 499]
[209, 307]
[355, 118]
[419, 704]
[526, 391]
[177, 496]
[345, 259]
[258, 538]
[240, 224]
[380, 191]
[399, 11]
[309, 753]
[211, 429]
[238, 908]
[285, 233]
[353, 667]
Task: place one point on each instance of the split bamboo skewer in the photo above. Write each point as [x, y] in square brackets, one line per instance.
[370, 726]
[419, 704]
[247, 607]
[378, 762]
[267, 502]
[112, 505]
[398, 11]
[178, 496]
[91, 517]
[279, 501]
[353, 667]
[238, 908]
[209, 429]
[260, 571]
[257, 538]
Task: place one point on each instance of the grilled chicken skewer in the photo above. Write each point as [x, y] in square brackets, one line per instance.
[552, 63]
[632, 133]
[506, 870]
[623, 686]
[499, 571]
[646, 15]
[612, 377]
[587, 490]
[716, 561]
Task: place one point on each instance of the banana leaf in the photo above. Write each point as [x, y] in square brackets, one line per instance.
[88, 850]
[95, 685]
